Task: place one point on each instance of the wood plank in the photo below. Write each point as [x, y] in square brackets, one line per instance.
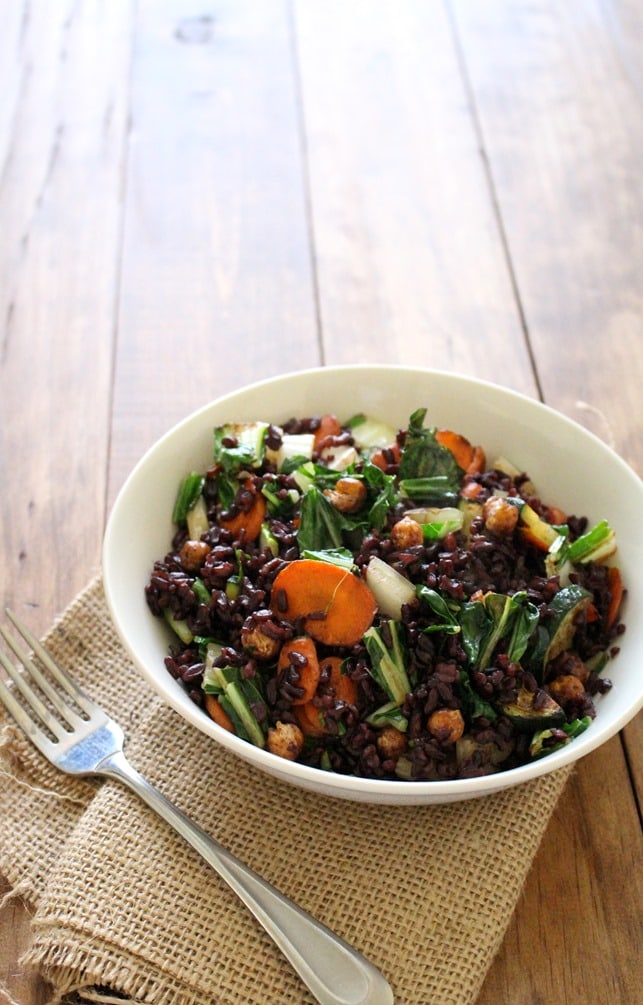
[62, 158]
[575, 933]
[565, 145]
[411, 266]
[63, 115]
[564, 155]
[217, 286]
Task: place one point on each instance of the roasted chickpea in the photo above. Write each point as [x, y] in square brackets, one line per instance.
[500, 516]
[285, 740]
[348, 495]
[256, 637]
[566, 688]
[406, 533]
[391, 743]
[446, 725]
[193, 554]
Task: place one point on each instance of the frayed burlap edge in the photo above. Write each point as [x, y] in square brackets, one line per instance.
[96, 976]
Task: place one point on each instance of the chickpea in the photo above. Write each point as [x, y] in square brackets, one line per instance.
[406, 533]
[257, 641]
[391, 743]
[285, 740]
[499, 515]
[566, 688]
[569, 663]
[348, 496]
[193, 554]
[446, 725]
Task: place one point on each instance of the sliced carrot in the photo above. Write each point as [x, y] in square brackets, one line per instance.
[344, 686]
[336, 606]
[310, 719]
[478, 462]
[328, 426]
[308, 671]
[379, 457]
[310, 716]
[247, 522]
[471, 490]
[217, 712]
[615, 581]
[457, 445]
[532, 538]
[555, 515]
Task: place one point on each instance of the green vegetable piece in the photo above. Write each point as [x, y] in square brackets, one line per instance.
[546, 741]
[423, 457]
[369, 434]
[189, 491]
[179, 626]
[388, 715]
[527, 718]
[594, 546]
[564, 611]
[447, 619]
[239, 445]
[437, 490]
[203, 595]
[473, 705]
[320, 524]
[268, 540]
[341, 557]
[241, 699]
[388, 667]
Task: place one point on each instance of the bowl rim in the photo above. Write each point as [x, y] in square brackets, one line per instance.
[306, 776]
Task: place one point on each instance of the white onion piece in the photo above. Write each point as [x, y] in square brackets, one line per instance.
[389, 587]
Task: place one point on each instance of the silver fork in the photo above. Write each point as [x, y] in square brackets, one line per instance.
[82, 739]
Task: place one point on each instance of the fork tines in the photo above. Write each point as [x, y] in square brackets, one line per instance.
[45, 699]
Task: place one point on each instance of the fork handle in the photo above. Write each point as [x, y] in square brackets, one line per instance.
[334, 972]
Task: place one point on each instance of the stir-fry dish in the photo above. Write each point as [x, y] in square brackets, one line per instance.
[385, 603]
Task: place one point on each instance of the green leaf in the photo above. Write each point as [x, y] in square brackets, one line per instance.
[447, 618]
[388, 664]
[320, 524]
[423, 457]
[474, 706]
[189, 491]
[341, 557]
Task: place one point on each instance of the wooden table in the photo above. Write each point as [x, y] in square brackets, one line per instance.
[193, 197]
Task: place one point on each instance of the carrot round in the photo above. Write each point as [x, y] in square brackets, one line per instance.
[615, 581]
[310, 719]
[478, 462]
[457, 445]
[336, 606]
[344, 686]
[217, 712]
[328, 426]
[379, 457]
[305, 660]
[249, 521]
[471, 490]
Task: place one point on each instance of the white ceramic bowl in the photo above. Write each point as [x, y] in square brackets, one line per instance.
[570, 467]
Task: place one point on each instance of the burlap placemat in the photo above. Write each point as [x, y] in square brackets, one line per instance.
[122, 906]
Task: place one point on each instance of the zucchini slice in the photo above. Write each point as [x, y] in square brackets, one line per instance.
[527, 718]
[564, 611]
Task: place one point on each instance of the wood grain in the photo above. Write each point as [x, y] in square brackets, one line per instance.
[564, 145]
[217, 287]
[192, 200]
[63, 118]
[60, 202]
[410, 261]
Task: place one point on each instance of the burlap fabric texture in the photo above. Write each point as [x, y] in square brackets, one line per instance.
[122, 905]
